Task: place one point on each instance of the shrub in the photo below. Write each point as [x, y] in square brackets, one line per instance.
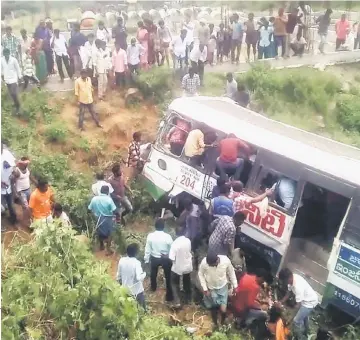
[53, 287]
[298, 86]
[36, 106]
[348, 112]
[56, 133]
[156, 83]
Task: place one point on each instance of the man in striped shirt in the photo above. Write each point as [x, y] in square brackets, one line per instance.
[28, 70]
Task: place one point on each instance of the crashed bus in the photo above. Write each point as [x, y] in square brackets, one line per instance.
[317, 235]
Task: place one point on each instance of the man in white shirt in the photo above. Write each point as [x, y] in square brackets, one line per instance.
[89, 53]
[102, 64]
[215, 274]
[134, 51]
[61, 216]
[59, 45]
[198, 56]
[100, 182]
[231, 85]
[102, 33]
[181, 257]
[298, 45]
[157, 250]
[179, 48]
[11, 74]
[8, 166]
[306, 299]
[131, 275]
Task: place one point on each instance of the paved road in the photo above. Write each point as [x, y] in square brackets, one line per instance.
[54, 84]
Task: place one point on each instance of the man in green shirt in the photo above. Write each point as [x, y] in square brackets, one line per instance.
[103, 208]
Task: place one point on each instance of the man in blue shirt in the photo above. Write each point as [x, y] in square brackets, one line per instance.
[157, 250]
[103, 208]
[236, 38]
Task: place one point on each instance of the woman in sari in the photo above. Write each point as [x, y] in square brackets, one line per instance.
[143, 38]
[39, 57]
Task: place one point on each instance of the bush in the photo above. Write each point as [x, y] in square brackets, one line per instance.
[53, 287]
[36, 106]
[298, 86]
[56, 133]
[348, 112]
[156, 83]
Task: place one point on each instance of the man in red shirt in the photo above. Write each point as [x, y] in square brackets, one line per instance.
[342, 28]
[229, 163]
[245, 304]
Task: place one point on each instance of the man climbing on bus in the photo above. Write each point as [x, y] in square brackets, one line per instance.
[240, 199]
[194, 147]
[229, 163]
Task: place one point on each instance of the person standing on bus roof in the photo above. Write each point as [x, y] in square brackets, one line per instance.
[223, 236]
[228, 163]
[306, 300]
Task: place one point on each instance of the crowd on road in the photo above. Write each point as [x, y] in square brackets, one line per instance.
[111, 58]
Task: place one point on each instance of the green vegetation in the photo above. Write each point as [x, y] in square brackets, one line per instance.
[53, 288]
[78, 299]
[303, 97]
[348, 112]
[56, 133]
[157, 84]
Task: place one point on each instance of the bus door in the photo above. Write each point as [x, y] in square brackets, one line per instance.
[324, 203]
[343, 283]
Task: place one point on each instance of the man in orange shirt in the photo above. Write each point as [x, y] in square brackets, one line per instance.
[229, 163]
[41, 201]
[244, 302]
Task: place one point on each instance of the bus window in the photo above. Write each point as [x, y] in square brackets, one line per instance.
[174, 135]
[284, 187]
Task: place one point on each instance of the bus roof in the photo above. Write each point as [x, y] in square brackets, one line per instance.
[324, 154]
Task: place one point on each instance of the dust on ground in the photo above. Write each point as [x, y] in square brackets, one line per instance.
[118, 125]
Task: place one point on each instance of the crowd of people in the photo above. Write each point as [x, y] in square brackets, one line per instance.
[111, 58]
[221, 276]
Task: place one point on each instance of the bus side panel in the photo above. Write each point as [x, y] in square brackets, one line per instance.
[250, 245]
[168, 173]
[341, 299]
[343, 286]
[268, 236]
